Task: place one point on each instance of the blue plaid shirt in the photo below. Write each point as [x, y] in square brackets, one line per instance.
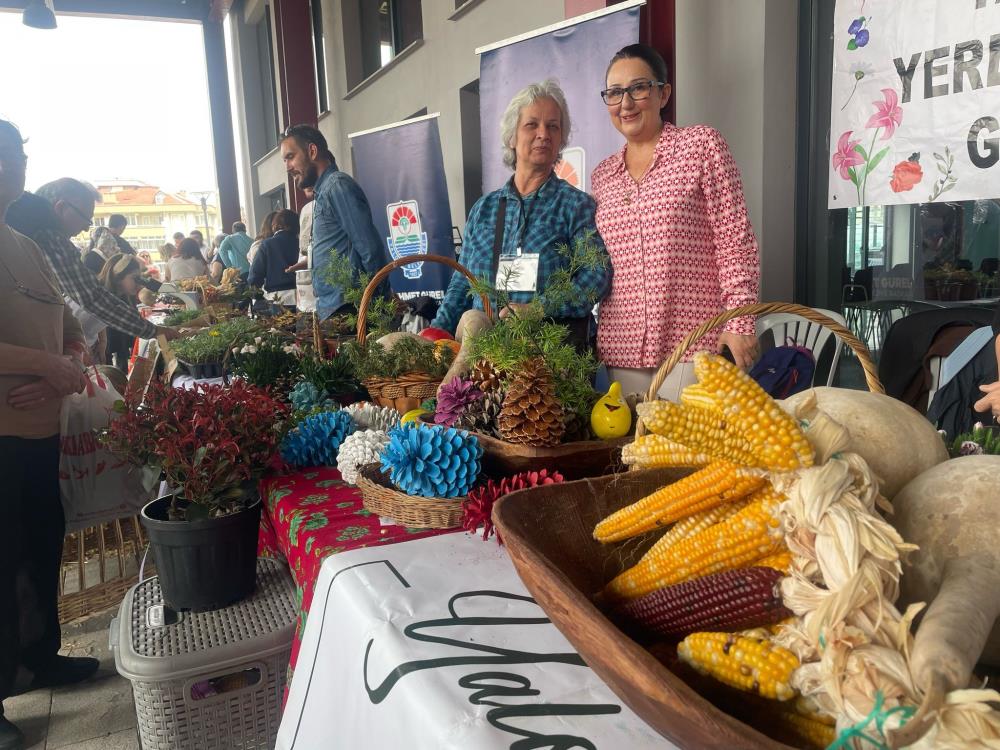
[557, 214]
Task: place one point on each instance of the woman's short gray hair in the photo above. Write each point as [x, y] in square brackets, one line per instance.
[547, 89]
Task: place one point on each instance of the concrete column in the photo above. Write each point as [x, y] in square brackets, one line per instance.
[222, 122]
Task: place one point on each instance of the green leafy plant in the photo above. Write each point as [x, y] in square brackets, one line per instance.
[181, 317]
[981, 439]
[372, 360]
[333, 376]
[381, 313]
[213, 344]
[271, 362]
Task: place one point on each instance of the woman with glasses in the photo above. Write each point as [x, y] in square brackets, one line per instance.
[38, 335]
[671, 211]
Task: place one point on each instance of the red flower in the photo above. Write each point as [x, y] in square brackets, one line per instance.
[906, 175]
[477, 510]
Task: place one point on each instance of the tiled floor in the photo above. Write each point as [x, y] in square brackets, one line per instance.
[94, 715]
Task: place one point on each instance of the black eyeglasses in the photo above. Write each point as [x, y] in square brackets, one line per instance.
[637, 92]
[81, 214]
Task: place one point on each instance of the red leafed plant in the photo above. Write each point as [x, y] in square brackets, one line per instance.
[208, 441]
[477, 508]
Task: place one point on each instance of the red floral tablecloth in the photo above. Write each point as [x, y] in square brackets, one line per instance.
[311, 515]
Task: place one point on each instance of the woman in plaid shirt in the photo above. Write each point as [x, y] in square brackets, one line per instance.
[541, 213]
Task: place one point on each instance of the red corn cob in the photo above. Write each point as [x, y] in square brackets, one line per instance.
[730, 601]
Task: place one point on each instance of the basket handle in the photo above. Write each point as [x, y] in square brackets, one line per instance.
[859, 349]
[379, 277]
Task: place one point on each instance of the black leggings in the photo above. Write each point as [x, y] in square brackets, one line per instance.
[32, 528]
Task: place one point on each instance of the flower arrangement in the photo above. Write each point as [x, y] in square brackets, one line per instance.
[432, 461]
[208, 441]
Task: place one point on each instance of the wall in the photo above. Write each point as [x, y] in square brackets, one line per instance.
[736, 71]
[429, 76]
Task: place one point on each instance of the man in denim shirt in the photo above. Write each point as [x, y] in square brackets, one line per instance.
[342, 219]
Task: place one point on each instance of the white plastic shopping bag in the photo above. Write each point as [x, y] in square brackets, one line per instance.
[96, 486]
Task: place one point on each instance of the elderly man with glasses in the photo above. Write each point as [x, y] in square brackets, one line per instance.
[52, 215]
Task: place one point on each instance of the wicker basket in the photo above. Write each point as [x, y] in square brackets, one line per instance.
[765, 308]
[112, 554]
[381, 498]
[411, 389]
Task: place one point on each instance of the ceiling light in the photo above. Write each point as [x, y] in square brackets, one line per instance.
[39, 15]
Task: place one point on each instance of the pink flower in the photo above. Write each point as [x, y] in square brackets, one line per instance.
[888, 114]
[845, 156]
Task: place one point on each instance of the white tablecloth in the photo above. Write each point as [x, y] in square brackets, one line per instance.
[436, 644]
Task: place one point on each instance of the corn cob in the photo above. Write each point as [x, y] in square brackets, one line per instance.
[696, 395]
[817, 731]
[781, 560]
[734, 600]
[718, 483]
[749, 535]
[656, 451]
[700, 429]
[752, 664]
[774, 436]
[698, 522]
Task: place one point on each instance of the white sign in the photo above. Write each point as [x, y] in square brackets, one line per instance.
[435, 644]
[915, 115]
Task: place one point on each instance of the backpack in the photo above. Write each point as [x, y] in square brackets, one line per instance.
[784, 370]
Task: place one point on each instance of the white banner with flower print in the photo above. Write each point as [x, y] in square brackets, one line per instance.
[915, 116]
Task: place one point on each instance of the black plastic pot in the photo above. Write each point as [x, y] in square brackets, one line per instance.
[205, 564]
[204, 371]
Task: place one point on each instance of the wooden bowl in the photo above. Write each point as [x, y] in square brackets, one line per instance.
[547, 531]
[577, 460]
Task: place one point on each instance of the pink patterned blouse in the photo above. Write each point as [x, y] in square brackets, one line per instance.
[681, 246]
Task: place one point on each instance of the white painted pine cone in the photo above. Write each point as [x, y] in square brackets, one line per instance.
[360, 448]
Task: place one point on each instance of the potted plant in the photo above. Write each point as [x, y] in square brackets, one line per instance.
[204, 352]
[268, 362]
[212, 444]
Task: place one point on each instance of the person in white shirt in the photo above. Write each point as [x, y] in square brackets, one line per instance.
[189, 264]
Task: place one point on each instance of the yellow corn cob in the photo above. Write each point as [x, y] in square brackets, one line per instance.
[655, 451]
[698, 522]
[749, 535]
[781, 560]
[700, 429]
[697, 395]
[752, 664]
[818, 731]
[716, 484]
[774, 436]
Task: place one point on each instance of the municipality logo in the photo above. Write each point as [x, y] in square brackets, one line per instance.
[405, 238]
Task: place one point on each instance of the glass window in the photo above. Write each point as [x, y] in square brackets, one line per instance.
[386, 28]
[265, 50]
[319, 54]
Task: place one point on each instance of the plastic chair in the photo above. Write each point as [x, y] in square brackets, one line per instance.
[793, 329]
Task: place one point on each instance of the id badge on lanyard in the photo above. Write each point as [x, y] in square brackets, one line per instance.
[519, 272]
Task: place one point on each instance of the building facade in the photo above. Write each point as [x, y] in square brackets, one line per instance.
[155, 215]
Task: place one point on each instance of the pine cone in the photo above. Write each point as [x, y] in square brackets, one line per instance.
[531, 413]
[577, 426]
[486, 377]
[453, 399]
[482, 415]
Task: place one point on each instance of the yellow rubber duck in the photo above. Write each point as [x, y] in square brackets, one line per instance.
[611, 418]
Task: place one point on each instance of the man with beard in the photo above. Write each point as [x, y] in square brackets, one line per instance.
[342, 219]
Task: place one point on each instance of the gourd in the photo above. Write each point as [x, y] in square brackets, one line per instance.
[894, 439]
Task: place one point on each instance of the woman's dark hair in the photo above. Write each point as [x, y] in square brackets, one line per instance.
[190, 249]
[266, 229]
[286, 219]
[647, 54]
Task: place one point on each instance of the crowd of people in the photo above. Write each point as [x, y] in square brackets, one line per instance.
[667, 215]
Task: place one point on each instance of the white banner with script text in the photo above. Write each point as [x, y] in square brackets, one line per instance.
[915, 115]
[435, 644]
